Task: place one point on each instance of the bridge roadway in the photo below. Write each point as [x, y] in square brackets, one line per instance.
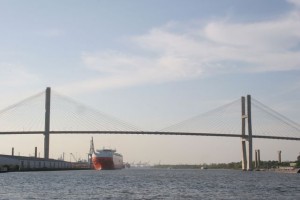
[150, 133]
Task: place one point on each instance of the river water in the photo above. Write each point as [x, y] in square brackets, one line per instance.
[149, 184]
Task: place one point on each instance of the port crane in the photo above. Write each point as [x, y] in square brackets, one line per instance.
[71, 154]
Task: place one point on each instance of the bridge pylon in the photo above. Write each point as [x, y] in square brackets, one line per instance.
[47, 123]
[244, 151]
[246, 163]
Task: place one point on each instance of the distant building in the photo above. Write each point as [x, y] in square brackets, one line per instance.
[293, 164]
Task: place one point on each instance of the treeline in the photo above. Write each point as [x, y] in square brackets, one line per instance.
[274, 164]
[232, 165]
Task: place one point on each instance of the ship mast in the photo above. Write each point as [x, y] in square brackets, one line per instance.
[92, 149]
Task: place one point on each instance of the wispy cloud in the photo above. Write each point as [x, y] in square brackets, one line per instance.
[295, 2]
[166, 54]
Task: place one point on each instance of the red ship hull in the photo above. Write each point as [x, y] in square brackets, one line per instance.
[103, 163]
[106, 160]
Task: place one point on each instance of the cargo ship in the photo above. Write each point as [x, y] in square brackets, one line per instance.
[106, 159]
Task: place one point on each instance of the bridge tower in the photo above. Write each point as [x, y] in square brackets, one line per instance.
[244, 151]
[246, 165]
[47, 123]
[250, 145]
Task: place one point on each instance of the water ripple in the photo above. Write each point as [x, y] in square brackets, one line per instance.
[149, 184]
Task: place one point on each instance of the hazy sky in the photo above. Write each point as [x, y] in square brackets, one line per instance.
[152, 63]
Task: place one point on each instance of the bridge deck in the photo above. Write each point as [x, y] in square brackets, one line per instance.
[150, 133]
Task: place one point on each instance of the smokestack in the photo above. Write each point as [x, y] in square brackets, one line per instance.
[35, 152]
[13, 151]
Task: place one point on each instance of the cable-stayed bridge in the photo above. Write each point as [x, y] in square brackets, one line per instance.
[52, 113]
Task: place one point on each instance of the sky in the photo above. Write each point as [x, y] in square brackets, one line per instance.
[152, 63]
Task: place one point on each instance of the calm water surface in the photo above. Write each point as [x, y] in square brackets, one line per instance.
[149, 184]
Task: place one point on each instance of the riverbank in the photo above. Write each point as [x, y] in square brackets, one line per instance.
[284, 167]
[287, 170]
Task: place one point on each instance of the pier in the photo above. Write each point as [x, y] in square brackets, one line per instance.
[23, 163]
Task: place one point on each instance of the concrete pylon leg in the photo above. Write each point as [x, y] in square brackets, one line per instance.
[244, 151]
[258, 158]
[249, 167]
[250, 145]
[244, 156]
[256, 161]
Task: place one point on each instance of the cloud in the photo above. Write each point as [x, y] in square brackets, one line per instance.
[295, 2]
[128, 70]
[178, 52]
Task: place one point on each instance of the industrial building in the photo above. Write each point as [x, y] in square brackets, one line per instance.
[23, 163]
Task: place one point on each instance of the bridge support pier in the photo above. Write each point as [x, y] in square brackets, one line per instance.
[47, 123]
[244, 155]
[257, 158]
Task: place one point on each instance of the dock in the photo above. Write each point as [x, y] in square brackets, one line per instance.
[12, 163]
